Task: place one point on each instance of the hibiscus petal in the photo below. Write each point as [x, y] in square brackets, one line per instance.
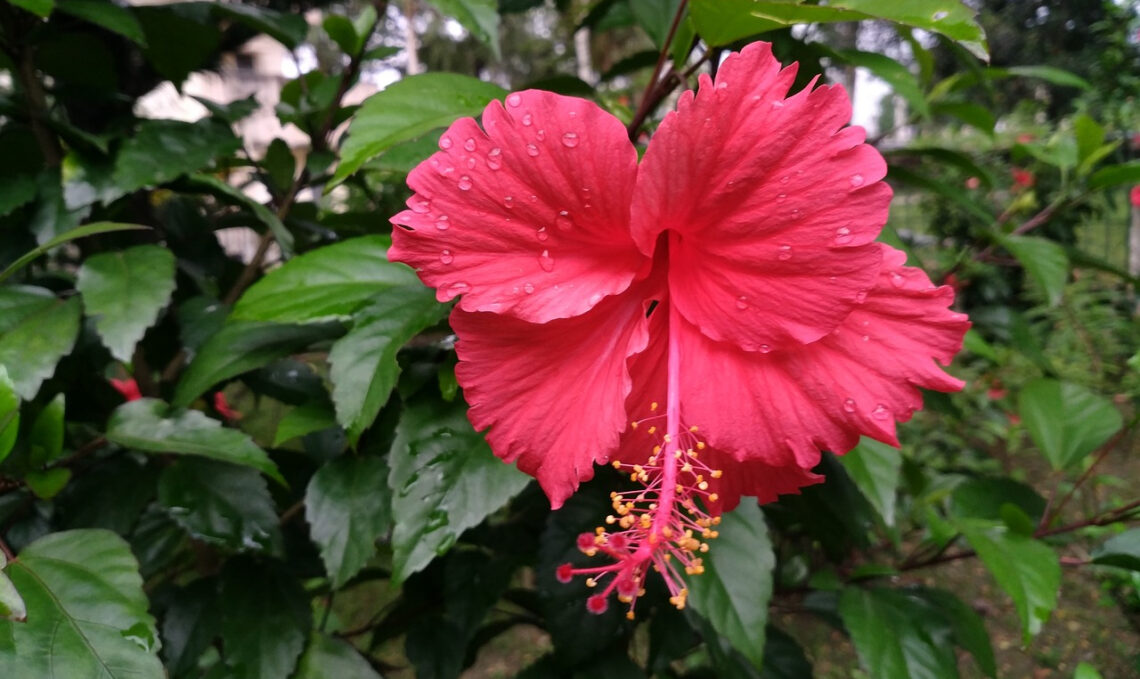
[531, 217]
[782, 408]
[773, 207]
[553, 394]
[754, 478]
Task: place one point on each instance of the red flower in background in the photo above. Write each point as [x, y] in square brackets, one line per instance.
[1023, 178]
[1134, 196]
[129, 388]
[707, 320]
[222, 406]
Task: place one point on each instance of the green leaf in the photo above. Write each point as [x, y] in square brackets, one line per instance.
[1066, 421]
[409, 109]
[889, 634]
[66, 237]
[1122, 551]
[654, 17]
[733, 592]
[189, 624]
[1027, 569]
[1116, 175]
[45, 439]
[9, 414]
[341, 31]
[87, 613]
[721, 22]
[243, 346]
[41, 8]
[162, 150]
[265, 622]
[148, 425]
[363, 362]
[348, 507]
[12, 606]
[898, 76]
[783, 657]
[481, 17]
[329, 282]
[108, 15]
[288, 28]
[302, 420]
[124, 291]
[48, 483]
[220, 504]
[1090, 136]
[974, 115]
[31, 350]
[966, 626]
[984, 497]
[280, 165]
[17, 302]
[952, 193]
[1044, 261]
[1086, 671]
[234, 196]
[874, 467]
[444, 480]
[1050, 74]
[329, 658]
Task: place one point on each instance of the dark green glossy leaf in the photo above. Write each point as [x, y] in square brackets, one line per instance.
[364, 368]
[966, 627]
[974, 115]
[243, 346]
[108, 15]
[1116, 175]
[41, 8]
[288, 28]
[733, 592]
[234, 196]
[87, 614]
[189, 624]
[48, 483]
[1065, 420]
[1044, 261]
[333, 281]
[265, 620]
[302, 420]
[874, 467]
[9, 414]
[12, 605]
[220, 504]
[983, 498]
[1050, 74]
[163, 150]
[892, 643]
[1122, 551]
[66, 237]
[329, 658]
[150, 426]
[481, 17]
[124, 291]
[783, 657]
[409, 109]
[444, 480]
[898, 76]
[654, 17]
[31, 350]
[1028, 570]
[348, 507]
[45, 438]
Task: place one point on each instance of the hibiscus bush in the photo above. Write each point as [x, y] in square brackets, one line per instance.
[434, 359]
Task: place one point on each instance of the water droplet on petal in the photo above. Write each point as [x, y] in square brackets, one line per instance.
[897, 280]
[420, 206]
[860, 297]
[445, 257]
[465, 183]
[742, 302]
[541, 135]
[563, 221]
[778, 104]
[866, 338]
[764, 348]
[546, 261]
[785, 253]
[531, 150]
[843, 235]
[459, 286]
[782, 197]
[784, 179]
[722, 85]
[527, 120]
[445, 142]
[471, 163]
[509, 201]
[514, 100]
[856, 180]
[797, 213]
[849, 405]
[595, 298]
[528, 288]
[469, 144]
[533, 198]
[495, 158]
[543, 235]
[570, 140]
[442, 222]
[880, 412]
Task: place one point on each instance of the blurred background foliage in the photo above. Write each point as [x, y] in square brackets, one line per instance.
[231, 440]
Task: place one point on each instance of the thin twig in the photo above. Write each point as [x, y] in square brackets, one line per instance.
[655, 91]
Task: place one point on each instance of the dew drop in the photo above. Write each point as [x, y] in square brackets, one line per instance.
[843, 235]
[527, 120]
[897, 280]
[595, 298]
[866, 338]
[531, 150]
[797, 213]
[722, 85]
[528, 289]
[442, 222]
[880, 412]
[849, 405]
[445, 142]
[742, 302]
[784, 179]
[420, 206]
[939, 16]
[778, 104]
[459, 286]
[546, 261]
[860, 297]
[465, 183]
[471, 163]
[509, 201]
[445, 257]
[543, 235]
[495, 158]
[563, 221]
[541, 135]
[533, 198]
[444, 171]
[782, 197]
[764, 349]
[514, 100]
[785, 253]
[856, 180]
[469, 144]
[570, 140]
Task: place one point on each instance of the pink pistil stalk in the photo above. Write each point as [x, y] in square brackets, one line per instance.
[658, 526]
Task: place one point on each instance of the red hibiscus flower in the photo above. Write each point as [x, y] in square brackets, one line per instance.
[707, 320]
[223, 408]
[1134, 196]
[129, 388]
[1023, 178]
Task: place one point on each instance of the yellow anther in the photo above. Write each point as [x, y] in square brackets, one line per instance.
[704, 548]
[613, 495]
[599, 540]
[646, 522]
[610, 519]
[703, 485]
[633, 425]
[637, 468]
[714, 534]
[667, 532]
[716, 473]
[625, 599]
[713, 497]
[599, 531]
[591, 552]
[653, 406]
[679, 488]
[590, 582]
[694, 429]
[656, 450]
[626, 522]
[617, 465]
[668, 438]
[715, 519]
[629, 615]
[653, 430]
[700, 445]
[688, 468]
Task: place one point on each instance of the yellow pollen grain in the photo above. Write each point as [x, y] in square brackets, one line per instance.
[716, 473]
[590, 582]
[668, 438]
[687, 468]
[700, 445]
[629, 615]
[703, 485]
[716, 520]
[617, 465]
[625, 599]
[653, 430]
[713, 497]
[633, 425]
[610, 519]
[653, 406]
[694, 429]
